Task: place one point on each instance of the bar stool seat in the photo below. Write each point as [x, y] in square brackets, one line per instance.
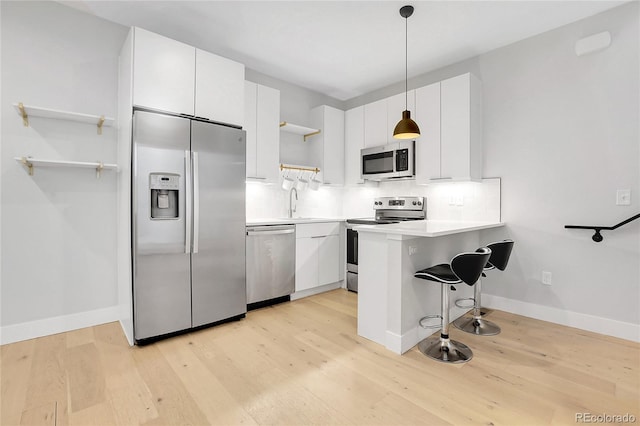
[464, 267]
[500, 253]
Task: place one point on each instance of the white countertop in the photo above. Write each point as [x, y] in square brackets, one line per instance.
[293, 220]
[428, 228]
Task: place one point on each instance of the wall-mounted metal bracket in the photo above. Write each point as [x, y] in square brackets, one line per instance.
[597, 236]
[28, 165]
[100, 123]
[23, 112]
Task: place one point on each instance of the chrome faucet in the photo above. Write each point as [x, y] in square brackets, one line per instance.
[291, 208]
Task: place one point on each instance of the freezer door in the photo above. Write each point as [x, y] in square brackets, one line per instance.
[161, 263]
[218, 279]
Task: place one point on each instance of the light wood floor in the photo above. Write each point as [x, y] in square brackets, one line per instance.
[302, 363]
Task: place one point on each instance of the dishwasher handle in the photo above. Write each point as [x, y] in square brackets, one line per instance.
[270, 231]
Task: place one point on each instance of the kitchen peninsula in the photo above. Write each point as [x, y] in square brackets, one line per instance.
[390, 299]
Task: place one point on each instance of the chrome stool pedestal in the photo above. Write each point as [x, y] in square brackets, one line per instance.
[441, 347]
[476, 324]
[464, 267]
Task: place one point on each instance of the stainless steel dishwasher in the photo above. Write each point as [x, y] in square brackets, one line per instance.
[271, 270]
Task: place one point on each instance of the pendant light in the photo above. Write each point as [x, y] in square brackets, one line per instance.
[406, 128]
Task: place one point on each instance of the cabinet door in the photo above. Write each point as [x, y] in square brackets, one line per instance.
[306, 263]
[375, 123]
[395, 105]
[333, 146]
[219, 89]
[328, 259]
[456, 127]
[163, 73]
[250, 109]
[268, 133]
[353, 143]
[428, 146]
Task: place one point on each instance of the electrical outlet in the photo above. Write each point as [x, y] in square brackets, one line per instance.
[623, 197]
[459, 200]
[546, 277]
[413, 250]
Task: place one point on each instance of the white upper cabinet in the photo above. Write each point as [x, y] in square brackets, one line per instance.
[175, 77]
[354, 142]
[329, 143]
[262, 124]
[395, 105]
[164, 73]
[219, 92]
[427, 116]
[375, 124]
[461, 128]
[450, 145]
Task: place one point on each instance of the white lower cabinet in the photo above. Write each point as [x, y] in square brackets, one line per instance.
[317, 255]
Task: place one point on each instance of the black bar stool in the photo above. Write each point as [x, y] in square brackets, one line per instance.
[500, 253]
[464, 267]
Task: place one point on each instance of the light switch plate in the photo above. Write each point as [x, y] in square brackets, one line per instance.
[623, 197]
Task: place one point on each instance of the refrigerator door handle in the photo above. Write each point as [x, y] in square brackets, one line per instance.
[187, 215]
[196, 202]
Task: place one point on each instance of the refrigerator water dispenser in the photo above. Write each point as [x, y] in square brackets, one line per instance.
[164, 195]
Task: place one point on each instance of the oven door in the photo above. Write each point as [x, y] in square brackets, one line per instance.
[352, 250]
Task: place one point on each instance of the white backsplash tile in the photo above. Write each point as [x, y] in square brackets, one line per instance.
[480, 201]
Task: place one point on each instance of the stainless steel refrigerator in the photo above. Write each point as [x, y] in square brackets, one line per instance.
[188, 189]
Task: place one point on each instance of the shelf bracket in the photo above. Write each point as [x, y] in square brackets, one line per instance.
[99, 169]
[23, 112]
[308, 135]
[28, 165]
[100, 123]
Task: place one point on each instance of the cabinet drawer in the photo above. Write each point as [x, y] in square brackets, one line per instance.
[306, 230]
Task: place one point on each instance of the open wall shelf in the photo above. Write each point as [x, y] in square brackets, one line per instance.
[25, 111]
[29, 163]
[298, 130]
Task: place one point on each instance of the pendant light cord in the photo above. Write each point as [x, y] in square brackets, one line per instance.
[406, 63]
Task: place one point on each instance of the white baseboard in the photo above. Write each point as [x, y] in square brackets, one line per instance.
[316, 290]
[623, 330]
[45, 327]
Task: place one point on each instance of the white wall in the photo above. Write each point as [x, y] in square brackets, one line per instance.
[562, 132]
[58, 226]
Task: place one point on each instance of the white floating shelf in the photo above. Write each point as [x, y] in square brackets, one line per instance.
[25, 111]
[30, 163]
[298, 130]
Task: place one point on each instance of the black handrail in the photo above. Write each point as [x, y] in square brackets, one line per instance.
[597, 237]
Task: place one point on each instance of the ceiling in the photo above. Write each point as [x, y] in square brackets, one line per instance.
[344, 48]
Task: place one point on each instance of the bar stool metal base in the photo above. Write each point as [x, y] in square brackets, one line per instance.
[445, 350]
[477, 326]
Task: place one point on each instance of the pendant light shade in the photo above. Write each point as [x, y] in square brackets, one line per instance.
[406, 128]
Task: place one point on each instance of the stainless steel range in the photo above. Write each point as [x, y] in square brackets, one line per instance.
[387, 210]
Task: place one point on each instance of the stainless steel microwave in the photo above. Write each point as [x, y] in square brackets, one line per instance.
[393, 161]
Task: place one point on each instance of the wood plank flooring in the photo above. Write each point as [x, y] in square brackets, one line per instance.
[302, 363]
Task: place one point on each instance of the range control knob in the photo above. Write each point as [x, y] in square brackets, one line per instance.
[419, 203]
[414, 203]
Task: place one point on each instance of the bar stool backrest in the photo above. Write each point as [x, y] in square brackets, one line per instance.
[500, 253]
[468, 266]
